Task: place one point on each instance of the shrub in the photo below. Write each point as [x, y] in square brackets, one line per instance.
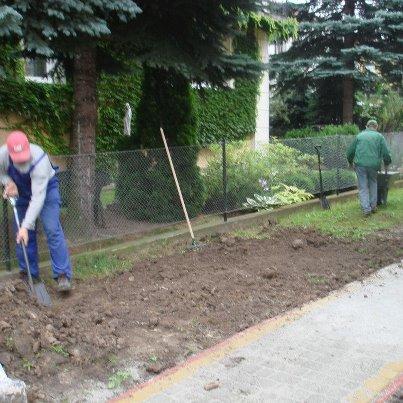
[385, 105]
[329, 130]
[145, 186]
[249, 171]
[302, 180]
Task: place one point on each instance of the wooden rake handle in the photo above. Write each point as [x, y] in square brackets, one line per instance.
[177, 183]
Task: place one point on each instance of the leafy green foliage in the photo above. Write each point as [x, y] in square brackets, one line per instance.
[252, 172]
[281, 195]
[188, 36]
[166, 101]
[117, 379]
[385, 105]
[220, 112]
[290, 194]
[145, 186]
[329, 130]
[10, 21]
[59, 349]
[230, 113]
[276, 29]
[249, 171]
[114, 91]
[227, 113]
[322, 41]
[44, 110]
[11, 64]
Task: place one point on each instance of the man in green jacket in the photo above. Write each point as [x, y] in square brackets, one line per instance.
[366, 153]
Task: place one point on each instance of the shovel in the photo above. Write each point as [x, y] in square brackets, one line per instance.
[37, 288]
[323, 201]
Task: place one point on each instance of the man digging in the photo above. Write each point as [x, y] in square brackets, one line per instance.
[366, 154]
[27, 174]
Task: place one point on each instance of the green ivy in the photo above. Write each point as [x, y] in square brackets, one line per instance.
[42, 108]
[11, 65]
[230, 113]
[276, 29]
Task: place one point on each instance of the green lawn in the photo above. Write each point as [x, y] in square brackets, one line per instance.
[345, 219]
[99, 264]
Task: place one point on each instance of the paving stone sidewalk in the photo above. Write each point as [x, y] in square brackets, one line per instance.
[346, 348]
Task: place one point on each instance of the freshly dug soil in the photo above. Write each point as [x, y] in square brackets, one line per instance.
[164, 310]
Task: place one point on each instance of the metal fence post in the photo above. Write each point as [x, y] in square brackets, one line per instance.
[224, 178]
[5, 238]
[339, 152]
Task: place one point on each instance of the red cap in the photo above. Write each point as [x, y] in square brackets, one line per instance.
[18, 147]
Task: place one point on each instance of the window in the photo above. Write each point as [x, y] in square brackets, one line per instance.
[35, 68]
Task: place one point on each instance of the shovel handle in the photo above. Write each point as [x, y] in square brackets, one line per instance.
[13, 202]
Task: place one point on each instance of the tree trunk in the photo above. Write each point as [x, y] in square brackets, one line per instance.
[348, 81]
[348, 96]
[82, 140]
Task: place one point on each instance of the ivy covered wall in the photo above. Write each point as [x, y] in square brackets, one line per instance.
[230, 113]
[43, 111]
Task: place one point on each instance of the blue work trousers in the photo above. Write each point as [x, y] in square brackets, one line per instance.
[367, 188]
[50, 218]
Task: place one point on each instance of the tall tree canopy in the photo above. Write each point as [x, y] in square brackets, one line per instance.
[185, 35]
[343, 44]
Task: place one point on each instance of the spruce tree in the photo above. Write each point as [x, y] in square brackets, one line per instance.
[350, 42]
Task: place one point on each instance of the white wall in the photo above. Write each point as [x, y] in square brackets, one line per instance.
[262, 133]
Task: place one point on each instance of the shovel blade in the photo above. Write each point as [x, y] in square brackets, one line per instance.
[41, 294]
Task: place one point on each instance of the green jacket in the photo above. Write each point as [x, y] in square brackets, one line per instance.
[368, 150]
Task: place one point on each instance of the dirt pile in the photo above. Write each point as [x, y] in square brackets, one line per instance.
[164, 310]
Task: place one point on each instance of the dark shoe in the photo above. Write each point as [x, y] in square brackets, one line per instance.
[374, 210]
[63, 284]
[367, 213]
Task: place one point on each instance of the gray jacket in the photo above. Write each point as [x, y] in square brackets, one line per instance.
[40, 177]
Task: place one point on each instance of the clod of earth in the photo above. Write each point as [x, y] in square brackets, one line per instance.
[298, 243]
[269, 273]
[22, 343]
[155, 368]
[4, 325]
[227, 240]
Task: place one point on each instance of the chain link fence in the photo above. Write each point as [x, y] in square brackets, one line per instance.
[124, 195]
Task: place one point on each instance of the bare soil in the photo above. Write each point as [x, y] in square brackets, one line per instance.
[164, 310]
